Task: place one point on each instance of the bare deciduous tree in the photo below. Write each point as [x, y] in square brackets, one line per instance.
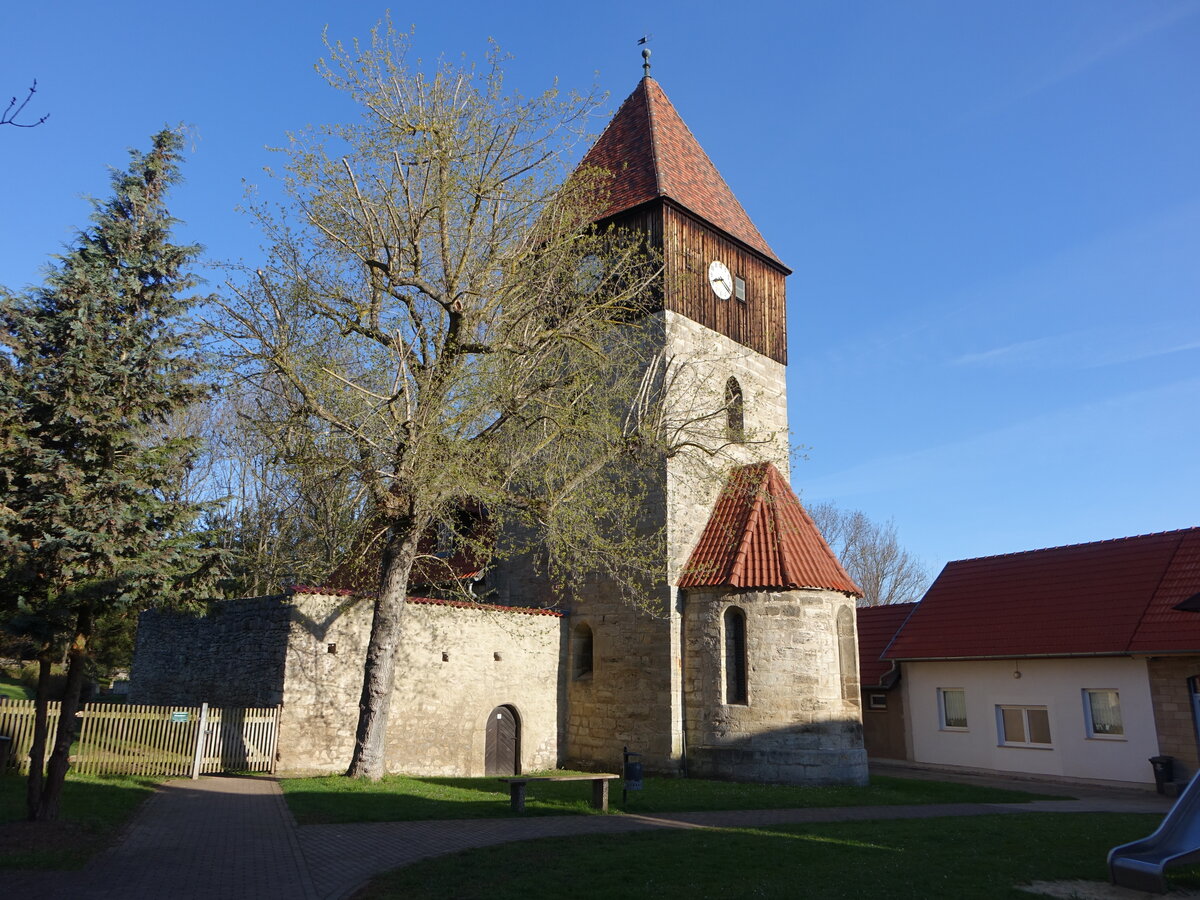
[278, 521]
[13, 110]
[871, 554]
[438, 319]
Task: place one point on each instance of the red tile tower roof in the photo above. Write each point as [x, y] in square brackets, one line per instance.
[759, 537]
[877, 625]
[652, 154]
[1108, 597]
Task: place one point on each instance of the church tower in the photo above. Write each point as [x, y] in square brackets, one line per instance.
[748, 669]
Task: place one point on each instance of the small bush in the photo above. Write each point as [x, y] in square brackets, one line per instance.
[58, 679]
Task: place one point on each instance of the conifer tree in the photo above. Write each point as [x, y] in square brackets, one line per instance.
[94, 364]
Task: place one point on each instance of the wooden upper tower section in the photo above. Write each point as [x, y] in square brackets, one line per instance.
[664, 184]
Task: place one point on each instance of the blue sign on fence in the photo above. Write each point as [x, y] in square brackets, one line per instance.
[179, 716]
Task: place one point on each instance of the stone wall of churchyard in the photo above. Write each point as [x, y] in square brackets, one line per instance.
[234, 655]
[800, 721]
[455, 665]
[1173, 717]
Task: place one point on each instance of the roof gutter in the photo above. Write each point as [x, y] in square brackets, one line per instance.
[1106, 653]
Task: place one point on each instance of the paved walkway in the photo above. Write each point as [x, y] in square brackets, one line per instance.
[227, 838]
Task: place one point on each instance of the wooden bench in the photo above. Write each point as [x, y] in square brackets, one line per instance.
[516, 788]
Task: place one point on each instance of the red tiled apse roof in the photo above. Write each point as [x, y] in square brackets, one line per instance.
[759, 537]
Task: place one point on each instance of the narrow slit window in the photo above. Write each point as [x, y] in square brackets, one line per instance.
[735, 657]
[582, 652]
[735, 412]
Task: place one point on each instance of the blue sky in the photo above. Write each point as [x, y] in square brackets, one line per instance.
[992, 210]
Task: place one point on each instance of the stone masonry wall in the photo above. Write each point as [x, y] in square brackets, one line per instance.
[626, 699]
[634, 696]
[705, 361]
[1173, 717]
[801, 723]
[232, 656]
[455, 665]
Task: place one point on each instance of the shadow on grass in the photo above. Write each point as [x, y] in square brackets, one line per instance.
[93, 812]
[984, 856]
[396, 798]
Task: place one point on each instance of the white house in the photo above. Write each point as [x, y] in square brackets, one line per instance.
[1079, 661]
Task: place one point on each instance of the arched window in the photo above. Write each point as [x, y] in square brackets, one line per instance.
[581, 652]
[847, 654]
[735, 415]
[735, 656]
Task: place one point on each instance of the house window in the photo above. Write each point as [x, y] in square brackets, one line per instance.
[735, 412]
[952, 709]
[1102, 712]
[739, 287]
[581, 652]
[876, 701]
[735, 656]
[1027, 726]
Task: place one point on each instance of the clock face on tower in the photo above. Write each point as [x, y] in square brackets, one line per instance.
[720, 279]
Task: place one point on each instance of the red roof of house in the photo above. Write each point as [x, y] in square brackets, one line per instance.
[652, 154]
[877, 625]
[759, 537]
[1108, 597]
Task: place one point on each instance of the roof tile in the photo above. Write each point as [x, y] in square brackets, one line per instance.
[653, 154]
[1106, 597]
[760, 537]
[877, 625]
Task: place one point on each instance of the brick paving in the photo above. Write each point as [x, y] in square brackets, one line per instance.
[226, 838]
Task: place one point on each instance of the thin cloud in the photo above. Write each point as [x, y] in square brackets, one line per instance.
[1094, 56]
[995, 454]
[1148, 352]
[1021, 352]
[1093, 349]
[1087, 58]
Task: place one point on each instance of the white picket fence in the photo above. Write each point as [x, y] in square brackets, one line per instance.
[124, 739]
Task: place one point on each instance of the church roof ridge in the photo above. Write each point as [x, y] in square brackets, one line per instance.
[653, 154]
[759, 537]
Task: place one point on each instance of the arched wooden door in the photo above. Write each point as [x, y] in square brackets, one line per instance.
[503, 747]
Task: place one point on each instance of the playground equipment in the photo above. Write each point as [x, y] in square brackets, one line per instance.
[1141, 865]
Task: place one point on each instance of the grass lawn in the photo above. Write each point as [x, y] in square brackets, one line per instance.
[93, 811]
[335, 799]
[983, 856]
[12, 689]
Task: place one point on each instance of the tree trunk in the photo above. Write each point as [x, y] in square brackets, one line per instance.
[379, 672]
[60, 757]
[41, 728]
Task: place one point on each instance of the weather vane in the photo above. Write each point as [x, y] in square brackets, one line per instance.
[645, 39]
